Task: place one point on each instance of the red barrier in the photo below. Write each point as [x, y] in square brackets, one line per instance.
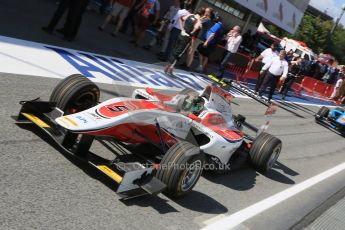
[238, 71]
[244, 67]
[321, 88]
[297, 88]
[238, 63]
[252, 71]
[309, 84]
[329, 91]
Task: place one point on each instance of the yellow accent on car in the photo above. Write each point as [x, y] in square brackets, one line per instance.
[71, 121]
[63, 122]
[116, 177]
[36, 120]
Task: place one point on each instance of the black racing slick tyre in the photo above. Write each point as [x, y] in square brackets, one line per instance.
[180, 168]
[323, 112]
[75, 93]
[265, 152]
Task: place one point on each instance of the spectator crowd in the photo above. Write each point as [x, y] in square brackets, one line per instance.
[183, 32]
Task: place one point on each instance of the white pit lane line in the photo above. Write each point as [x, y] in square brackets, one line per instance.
[231, 221]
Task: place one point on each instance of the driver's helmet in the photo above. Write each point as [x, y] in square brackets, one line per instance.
[193, 104]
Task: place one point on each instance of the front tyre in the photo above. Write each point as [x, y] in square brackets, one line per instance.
[265, 152]
[181, 168]
[323, 112]
[75, 93]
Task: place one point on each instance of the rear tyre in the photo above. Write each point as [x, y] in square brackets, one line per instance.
[265, 152]
[75, 93]
[323, 112]
[181, 168]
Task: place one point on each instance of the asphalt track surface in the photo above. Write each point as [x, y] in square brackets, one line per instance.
[41, 188]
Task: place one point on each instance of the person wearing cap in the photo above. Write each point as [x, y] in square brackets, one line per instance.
[277, 67]
[265, 57]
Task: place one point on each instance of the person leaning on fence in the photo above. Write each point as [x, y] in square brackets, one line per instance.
[233, 41]
[294, 72]
[276, 68]
[265, 57]
[190, 25]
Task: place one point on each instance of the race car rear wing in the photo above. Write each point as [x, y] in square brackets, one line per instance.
[272, 108]
[131, 177]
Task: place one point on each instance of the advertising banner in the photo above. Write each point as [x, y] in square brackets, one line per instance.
[279, 12]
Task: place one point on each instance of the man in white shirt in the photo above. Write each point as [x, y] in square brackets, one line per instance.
[174, 29]
[276, 68]
[233, 41]
[265, 57]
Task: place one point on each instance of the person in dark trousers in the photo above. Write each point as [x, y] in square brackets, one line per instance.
[76, 8]
[130, 19]
[206, 17]
[74, 18]
[63, 6]
[246, 38]
[175, 30]
[205, 49]
[294, 72]
[333, 76]
[104, 5]
[276, 68]
[190, 25]
[265, 57]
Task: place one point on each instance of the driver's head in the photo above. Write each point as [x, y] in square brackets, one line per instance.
[197, 105]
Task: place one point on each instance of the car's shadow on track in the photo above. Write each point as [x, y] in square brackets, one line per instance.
[156, 202]
[297, 107]
[83, 165]
[330, 129]
[194, 200]
[245, 178]
[240, 179]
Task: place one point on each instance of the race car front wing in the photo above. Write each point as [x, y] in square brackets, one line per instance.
[132, 178]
